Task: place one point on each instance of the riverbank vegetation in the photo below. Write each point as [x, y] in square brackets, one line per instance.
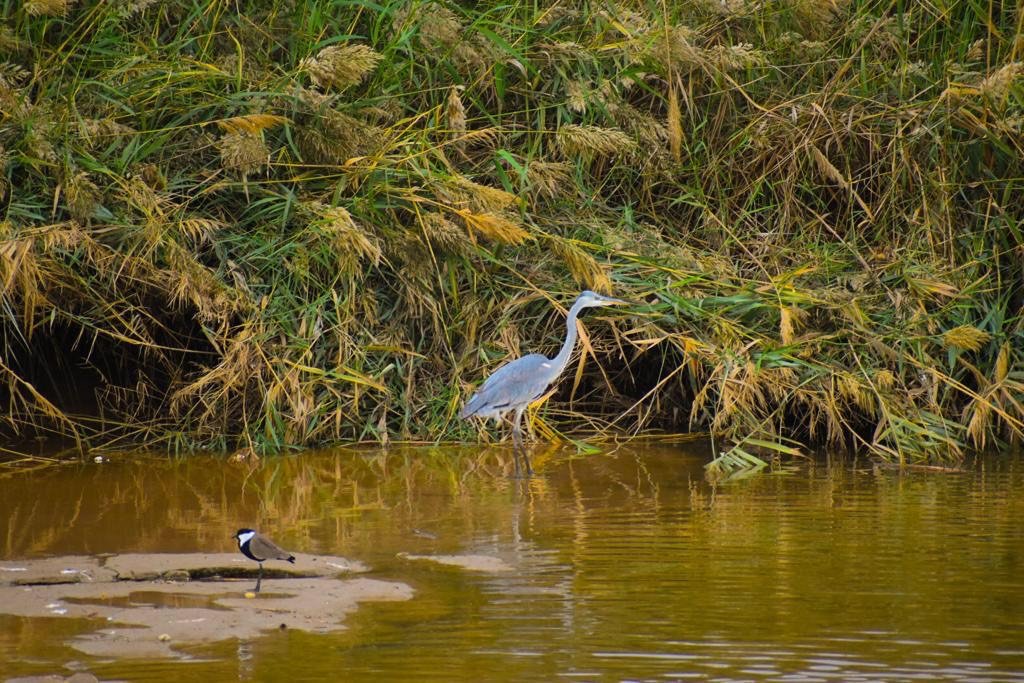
[268, 223]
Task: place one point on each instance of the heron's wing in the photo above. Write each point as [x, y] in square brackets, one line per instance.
[512, 385]
[514, 371]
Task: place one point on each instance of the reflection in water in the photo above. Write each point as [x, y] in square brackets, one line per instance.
[244, 653]
[626, 565]
[145, 598]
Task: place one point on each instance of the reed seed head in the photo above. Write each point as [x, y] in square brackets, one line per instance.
[583, 267]
[494, 227]
[444, 234]
[47, 8]
[10, 43]
[350, 242]
[548, 178]
[82, 196]
[340, 66]
[12, 75]
[243, 152]
[996, 86]
[439, 27]
[456, 112]
[589, 141]
[966, 337]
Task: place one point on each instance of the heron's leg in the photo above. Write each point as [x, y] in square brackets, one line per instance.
[517, 441]
[259, 578]
[517, 434]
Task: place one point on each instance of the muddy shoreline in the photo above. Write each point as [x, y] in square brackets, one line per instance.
[145, 605]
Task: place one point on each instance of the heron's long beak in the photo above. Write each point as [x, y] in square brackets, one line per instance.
[612, 301]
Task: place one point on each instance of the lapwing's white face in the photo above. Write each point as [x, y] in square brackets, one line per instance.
[244, 537]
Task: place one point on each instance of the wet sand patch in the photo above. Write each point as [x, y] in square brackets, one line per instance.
[168, 566]
[476, 563]
[54, 570]
[140, 617]
[195, 566]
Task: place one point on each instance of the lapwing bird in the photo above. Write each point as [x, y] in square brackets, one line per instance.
[257, 547]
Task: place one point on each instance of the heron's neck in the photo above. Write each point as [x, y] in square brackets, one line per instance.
[562, 359]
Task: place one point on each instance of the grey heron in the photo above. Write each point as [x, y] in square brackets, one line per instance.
[522, 381]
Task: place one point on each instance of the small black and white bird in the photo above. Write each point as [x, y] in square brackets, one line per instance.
[258, 547]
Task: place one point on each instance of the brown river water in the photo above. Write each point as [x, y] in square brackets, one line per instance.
[624, 565]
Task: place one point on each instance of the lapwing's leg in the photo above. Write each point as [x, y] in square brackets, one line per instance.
[259, 578]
